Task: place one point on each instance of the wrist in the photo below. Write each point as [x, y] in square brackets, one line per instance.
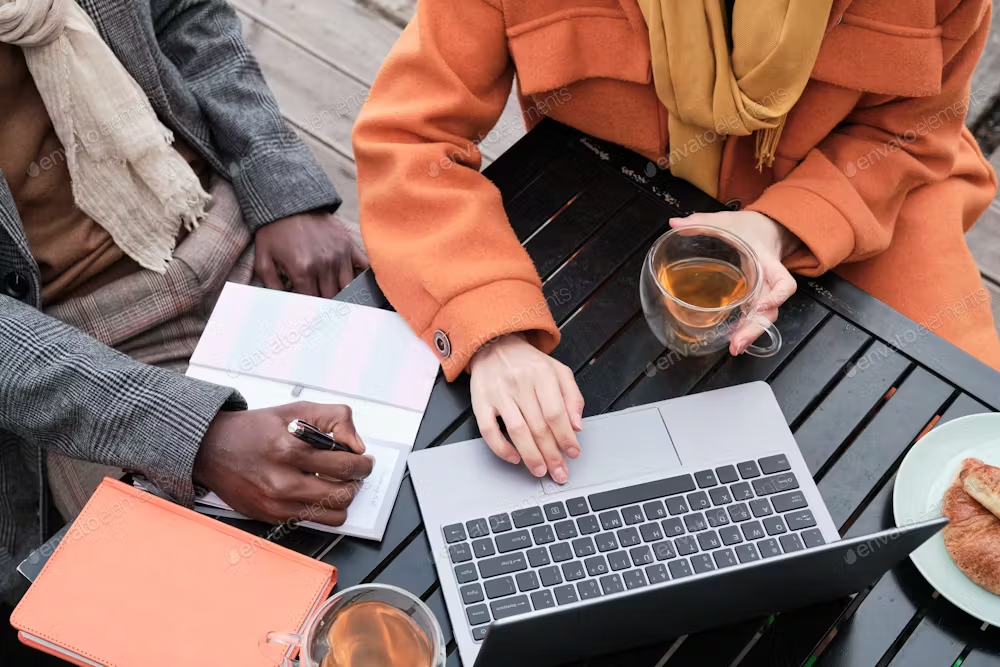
[789, 242]
[783, 240]
[491, 345]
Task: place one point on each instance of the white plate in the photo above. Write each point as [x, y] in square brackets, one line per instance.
[925, 474]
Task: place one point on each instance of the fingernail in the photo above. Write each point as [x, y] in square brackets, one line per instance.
[513, 458]
[577, 423]
[559, 475]
[538, 471]
[370, 457]
[573, 452]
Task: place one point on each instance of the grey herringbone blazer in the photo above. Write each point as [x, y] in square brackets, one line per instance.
[61, 389]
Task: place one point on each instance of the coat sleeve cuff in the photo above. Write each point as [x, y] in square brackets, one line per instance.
[487, 312]
[275, 185]
[170, 464]
[826, 235]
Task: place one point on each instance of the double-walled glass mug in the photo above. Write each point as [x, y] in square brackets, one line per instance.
[699, 285]
[372, 625]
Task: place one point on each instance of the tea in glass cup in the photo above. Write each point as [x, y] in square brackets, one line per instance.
[372, 625]
[700, 284]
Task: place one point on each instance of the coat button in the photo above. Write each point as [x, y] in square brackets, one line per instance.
[734, 204]
[15, 285]
[442, 344]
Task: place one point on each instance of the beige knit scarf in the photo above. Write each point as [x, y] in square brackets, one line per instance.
[126, 175]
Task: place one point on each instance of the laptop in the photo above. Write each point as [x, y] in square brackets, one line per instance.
[678, 516]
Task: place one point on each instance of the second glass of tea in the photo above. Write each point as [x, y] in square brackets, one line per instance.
[372, 625]
[699, 285]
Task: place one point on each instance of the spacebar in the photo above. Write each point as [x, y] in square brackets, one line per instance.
[628, 495]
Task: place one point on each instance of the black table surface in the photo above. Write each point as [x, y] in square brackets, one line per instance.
[858, 384]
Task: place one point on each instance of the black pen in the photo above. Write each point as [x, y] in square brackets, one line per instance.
[311, 435]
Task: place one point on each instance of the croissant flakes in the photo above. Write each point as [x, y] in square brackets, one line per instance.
[972, 505]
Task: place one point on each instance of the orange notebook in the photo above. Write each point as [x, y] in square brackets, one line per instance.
[141, 582]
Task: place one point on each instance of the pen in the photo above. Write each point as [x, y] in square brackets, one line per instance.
[311, 435]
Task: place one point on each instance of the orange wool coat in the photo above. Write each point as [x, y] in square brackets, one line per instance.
[875, 172]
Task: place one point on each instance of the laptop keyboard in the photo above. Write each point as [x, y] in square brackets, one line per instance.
[605, 543]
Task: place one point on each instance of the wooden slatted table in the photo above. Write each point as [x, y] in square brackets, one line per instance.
[857, 382]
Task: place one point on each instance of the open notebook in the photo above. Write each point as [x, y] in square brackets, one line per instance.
[138, 581]
[280, 347]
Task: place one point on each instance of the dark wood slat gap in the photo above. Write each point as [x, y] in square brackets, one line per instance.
[864, 424]
[435, 425]
[903, 636]
[390, 558]
[933, 353]
[679, 377]
[983, 658]
[605, 380]
[799, 320]
[580, 219]
[609, 309]
[720, 646]
[895, 600]
[939, 637]
[885, 480]
[817, 367]
[632, 229]
[848, 408]
[879, 447]
[434, 599]
[788, 640]
[540, 202]
[356, 558]
[830, 386]
[524, 162]
[985, 649]
[645, 656]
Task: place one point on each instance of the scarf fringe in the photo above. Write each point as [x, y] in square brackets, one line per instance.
[125, 173]
[767, 144]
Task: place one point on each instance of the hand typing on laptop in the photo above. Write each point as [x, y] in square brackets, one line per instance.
[537, 398]
[253, 463]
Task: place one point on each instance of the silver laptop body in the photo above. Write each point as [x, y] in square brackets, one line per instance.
[678, 516]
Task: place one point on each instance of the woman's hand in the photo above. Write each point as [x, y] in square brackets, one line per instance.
[772, 243]
[537, 398]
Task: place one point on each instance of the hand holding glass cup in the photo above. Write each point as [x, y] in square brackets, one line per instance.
[699, 285]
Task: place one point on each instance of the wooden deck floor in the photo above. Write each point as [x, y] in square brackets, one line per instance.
[321, 56]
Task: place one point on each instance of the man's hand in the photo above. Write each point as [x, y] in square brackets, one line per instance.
[537, 398]
[772, 242]
[314, 251]
[261, 470]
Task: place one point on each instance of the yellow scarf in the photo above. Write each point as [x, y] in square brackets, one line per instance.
[710, 93]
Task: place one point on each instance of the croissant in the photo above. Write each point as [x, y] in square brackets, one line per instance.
[973, 535]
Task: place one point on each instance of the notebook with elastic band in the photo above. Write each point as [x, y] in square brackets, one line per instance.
[138, 581]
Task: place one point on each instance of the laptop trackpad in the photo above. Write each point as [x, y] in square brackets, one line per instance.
[619, 447]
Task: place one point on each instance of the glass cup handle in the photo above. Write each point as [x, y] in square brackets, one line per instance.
[289, 639]
[772, 332]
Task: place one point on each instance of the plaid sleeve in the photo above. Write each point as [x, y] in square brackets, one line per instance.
[275, 175]
[62, 390]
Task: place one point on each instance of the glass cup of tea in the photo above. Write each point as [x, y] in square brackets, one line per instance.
[372, 625]
[699, 285]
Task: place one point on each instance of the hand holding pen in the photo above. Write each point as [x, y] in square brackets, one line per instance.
[263, 470]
